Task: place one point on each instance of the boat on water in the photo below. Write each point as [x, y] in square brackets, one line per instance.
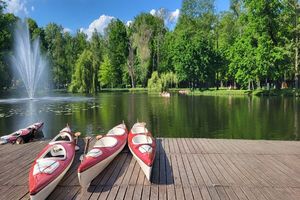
[51, 164]
[102, 153]
[165, 94]
[143, 147]
[23, 135]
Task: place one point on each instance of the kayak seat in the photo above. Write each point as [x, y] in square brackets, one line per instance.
[139, 129]
[145, 148]
[55, 152]
[94, 153]
[45, 166]
[66, 130]
[116, 131]
[106, 142]
[58, 151]
[62, 137]
[141, 139]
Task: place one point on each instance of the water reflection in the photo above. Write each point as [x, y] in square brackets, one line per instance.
[178, 116]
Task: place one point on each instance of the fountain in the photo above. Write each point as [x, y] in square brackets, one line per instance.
[27, 59]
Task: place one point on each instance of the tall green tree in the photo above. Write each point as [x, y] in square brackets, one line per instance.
[106, 72]
[148, 33]
[82, 81]
[7, 23]
[117, 45]
[258, 54]
[56, 50]
[97, 49]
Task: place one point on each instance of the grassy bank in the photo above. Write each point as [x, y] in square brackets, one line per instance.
[212, 91]
[124, 90]
[220, 92]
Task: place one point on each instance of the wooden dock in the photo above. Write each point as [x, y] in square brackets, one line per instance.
[184, 169]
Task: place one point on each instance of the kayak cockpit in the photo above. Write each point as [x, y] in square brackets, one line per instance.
[116, 131]
[62, 137]
[49, 161]
[141, 139]
[106, 142]
[56, 151]
[139, 129]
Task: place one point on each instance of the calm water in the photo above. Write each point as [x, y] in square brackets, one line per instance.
[179, 116]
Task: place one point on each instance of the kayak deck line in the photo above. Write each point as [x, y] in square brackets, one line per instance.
[184, 168]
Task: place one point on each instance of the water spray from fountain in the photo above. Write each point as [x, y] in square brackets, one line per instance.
[27, 59]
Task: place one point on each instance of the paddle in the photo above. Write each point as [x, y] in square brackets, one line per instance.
[86, 148]
[77, 134]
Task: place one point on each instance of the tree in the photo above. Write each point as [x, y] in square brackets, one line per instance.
[131, 58]
[154, 83]
[196, 8]
[193, 58]
[96, 47]
[56, 50]
[81, 81]
[258, 53]
[290, 22]
[7, 22]
[117, 46]
[106, 72]
[148, 33]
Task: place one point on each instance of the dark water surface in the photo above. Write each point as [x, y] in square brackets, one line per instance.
[179, 116]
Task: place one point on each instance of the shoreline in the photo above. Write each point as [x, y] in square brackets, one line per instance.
[196, 92]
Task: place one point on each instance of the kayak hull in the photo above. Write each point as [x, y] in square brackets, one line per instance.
[103, 152]
[51, 165]
[45, 192]
[87, 176]
[27, 133]
[143, 147]
[146, 169]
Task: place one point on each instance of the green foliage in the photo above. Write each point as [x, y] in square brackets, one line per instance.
[168, 80]
[147, 32]
[85, 75]
[258, 53]
[96, 45]
[7, 22]
[253, 43]
[154, 83]
[162, 83]
[193, 56]
[106, 73]
[117, 49]
[82, 78]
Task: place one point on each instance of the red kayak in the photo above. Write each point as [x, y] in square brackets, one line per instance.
[143, 147]
[51, 164]
[103, 152]
[22, 135]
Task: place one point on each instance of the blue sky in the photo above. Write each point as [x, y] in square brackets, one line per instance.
[82, 14]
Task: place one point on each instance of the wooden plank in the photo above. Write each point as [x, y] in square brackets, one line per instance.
[205, 193]
[184, 169]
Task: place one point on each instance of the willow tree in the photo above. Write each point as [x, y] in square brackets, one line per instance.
[148, 31]
[81, 80]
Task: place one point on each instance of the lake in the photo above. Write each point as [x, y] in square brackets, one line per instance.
[239, 117]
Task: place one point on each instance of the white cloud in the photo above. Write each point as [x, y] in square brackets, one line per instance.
[32, 8]
[173, 16]
[17, 7]
[99, 24]
[153, 12]
[170, 17]
[67, 30]
[128, 23]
